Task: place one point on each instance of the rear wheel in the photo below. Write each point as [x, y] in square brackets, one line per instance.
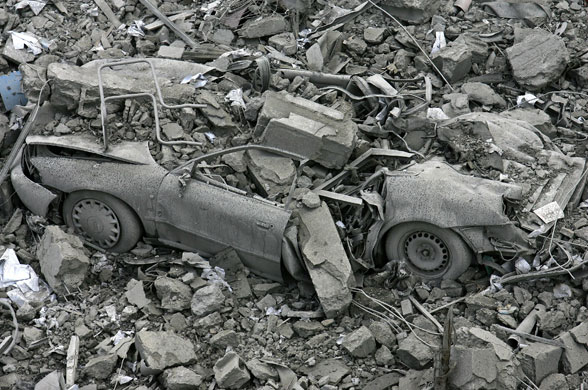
[102, 220]
[428, 250]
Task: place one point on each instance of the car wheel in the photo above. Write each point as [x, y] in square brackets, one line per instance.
[102, 220]
[428, 250]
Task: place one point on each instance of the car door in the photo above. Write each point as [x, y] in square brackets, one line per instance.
[207, 218]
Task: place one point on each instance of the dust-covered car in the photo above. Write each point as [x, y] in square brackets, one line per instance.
[434, 218]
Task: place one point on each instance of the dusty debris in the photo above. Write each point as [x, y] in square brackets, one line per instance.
[538, 59]
[161, 350]
[230, 372]
[63, 261]
[325, 259]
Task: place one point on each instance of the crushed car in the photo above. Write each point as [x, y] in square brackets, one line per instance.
[434, 218]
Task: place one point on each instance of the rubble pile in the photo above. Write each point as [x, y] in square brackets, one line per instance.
[371, 136]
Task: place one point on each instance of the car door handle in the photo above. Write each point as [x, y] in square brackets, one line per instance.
[264, 225]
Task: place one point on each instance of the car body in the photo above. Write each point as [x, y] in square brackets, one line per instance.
[434, 217]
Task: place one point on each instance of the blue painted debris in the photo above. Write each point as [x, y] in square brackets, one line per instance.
[11, 90]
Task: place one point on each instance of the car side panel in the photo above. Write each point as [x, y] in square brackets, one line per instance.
[209, 219]
[136, 185]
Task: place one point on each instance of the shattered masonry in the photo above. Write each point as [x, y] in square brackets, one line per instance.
[311, 195]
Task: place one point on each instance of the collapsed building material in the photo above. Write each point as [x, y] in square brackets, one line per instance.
[325, 259]
[538, 60]
[412, 11]
[306, 128]
[63, 261]
[161, 350]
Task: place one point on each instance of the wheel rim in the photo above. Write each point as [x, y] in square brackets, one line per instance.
[96, 222]
[426, 252]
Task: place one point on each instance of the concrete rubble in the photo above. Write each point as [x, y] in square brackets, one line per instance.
[362, 94]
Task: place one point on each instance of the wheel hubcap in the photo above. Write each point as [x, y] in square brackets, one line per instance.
[426, 252]
[96, 222]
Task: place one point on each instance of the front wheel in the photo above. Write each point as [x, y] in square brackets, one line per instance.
[102, 220]
[428, 250]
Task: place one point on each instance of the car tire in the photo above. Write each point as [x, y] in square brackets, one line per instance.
[103, 220]
[428, 250]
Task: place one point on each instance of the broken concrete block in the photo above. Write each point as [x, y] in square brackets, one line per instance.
[383, 333]
[538, 60]
[328, 145]
[554, 382]
[264, 26]
[135, 294]
[539, 360]
[326, 260]
[216, 114]
[581, 75]
[575, 355]
[101, 367]
[62, 258]
[476, 46]
[180, 378]
[52, 381]
[173, 131]
[374, 35]
[207, 300]
[482, 360]
[307, 328]
[223, 36]
[174, 295]
[360, 343]
[21, 56]
[483, 93]
[174, 52]
[384, 356]
[454, 61]
[161, 350]
[284, 42]
[580, 333]
[230, 372]
[335, 369]
[225, 338]
[412, 11]
[414, 353]
[261, 370]
[323, 134]
[272, 174]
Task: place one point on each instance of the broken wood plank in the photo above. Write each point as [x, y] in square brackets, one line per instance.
[72, 361]
[172, 26]
[108, 12]
[158, 23]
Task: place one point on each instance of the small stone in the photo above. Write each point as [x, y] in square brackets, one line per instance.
[223, 37]
[554, 382]
[174, 295]
[384, 357]
[225, 338]
[101, 367]
[285, 42]
[414, 353]
[454, 60]
[360, 343]
[174, 52]
[173, 131]
[135, 294]
[334, 369]
[311, 200]
[161, 350]
[207, 300]
[261, 370]
[383, 333]
[264, 26]
[180, 378]
[230, 373]
[575, 356]
[307, 328]
[355, 44]
[483, 93]
[62, 129]
[374, 35]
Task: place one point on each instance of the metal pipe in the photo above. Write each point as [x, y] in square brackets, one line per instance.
[526, 326]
